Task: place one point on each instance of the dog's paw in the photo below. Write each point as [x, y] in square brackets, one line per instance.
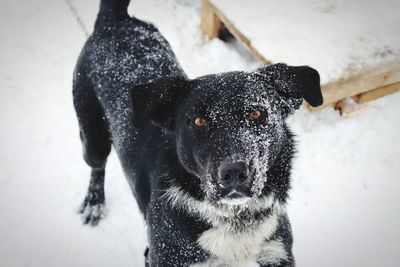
[92, 214]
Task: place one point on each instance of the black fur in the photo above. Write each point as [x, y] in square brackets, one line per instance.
[130, 91]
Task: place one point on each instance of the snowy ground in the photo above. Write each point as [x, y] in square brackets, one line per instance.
[345, 202]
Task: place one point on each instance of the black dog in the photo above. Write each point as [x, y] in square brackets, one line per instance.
[208, 159]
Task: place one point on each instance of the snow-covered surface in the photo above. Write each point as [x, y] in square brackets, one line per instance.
[337, 37]
[345, 201]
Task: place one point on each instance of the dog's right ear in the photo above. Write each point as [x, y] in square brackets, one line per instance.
[158, 101]
[293, 84]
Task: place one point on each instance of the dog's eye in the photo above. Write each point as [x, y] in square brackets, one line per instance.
[255, 114]
[200, 122]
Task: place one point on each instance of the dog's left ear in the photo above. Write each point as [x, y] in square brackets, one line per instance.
[158, 101]
[294, 84]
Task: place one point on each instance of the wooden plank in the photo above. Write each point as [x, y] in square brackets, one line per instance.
[384, 79]
[210, 23]
[315, 109]
[376, 93]
[364, 81]
[210, 8]
[361, 98]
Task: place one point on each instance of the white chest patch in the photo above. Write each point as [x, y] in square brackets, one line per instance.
[232, 246]
[232, 243]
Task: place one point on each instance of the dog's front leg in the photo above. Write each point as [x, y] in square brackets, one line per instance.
[92, 208]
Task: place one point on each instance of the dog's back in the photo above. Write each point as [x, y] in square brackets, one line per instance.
[121, 53]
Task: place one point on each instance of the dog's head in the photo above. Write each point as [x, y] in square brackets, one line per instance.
[228, 128]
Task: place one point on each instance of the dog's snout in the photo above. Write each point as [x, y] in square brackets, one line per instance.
[233, 174]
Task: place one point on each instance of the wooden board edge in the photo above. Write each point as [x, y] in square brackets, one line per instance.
[363, 81]
[377, 93]
[235, 32]
[210, 24]
[360, 98]
[315, 109]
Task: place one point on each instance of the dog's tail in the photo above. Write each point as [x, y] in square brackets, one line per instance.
[113, 9]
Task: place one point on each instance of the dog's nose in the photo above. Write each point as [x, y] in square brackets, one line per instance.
[233, 174]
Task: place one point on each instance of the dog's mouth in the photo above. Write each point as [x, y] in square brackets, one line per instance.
[236, 195]
[235, 198]
[236, 192]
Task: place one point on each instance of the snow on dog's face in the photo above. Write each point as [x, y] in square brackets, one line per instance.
[229, 132]
[228, 128]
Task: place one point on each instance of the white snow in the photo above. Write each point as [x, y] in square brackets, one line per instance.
[345, 201]
[337, 37]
